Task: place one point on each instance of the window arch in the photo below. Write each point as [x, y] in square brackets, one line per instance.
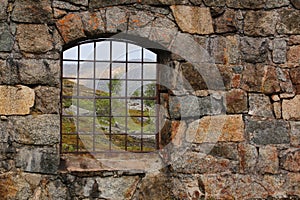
[109, 97]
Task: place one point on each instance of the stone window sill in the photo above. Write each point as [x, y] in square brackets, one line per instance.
[108, 162]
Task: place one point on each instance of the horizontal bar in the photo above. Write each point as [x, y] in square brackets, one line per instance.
[107, 134]
[108, 151]
[112, 116]
[107, 97]
[112, 61]
[108, 79]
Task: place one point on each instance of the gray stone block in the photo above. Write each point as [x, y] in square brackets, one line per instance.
[279, 51]
[6, 38]
[38, 159]
[254, 50]
[39, 130]
[263, 132]
[194, 107]
[32, 11]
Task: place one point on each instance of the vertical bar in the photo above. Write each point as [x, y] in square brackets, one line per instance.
[77, 112]
[126, 96]
[157, 97]
[110, 95]
[61, 101]
[94, 85]
[142, 101]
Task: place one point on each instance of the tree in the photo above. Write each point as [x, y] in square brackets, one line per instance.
[115, 85]
[150, 92]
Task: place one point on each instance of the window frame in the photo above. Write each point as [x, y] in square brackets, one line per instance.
[94, 61]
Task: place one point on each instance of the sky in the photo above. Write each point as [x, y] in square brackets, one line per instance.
[102, 68]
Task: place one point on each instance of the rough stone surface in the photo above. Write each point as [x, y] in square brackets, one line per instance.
[217, 3]
[296, 3]
[39, 130]
[229, 99]
[295, 73]
[5, 131]
[193, 78]
[292, 185]
[295, 134]
[240, 186]
[193, 19]
[95, 187]
[6, 38]
[155, 186]
[195, 163]
[279, 51]
[172, 132]
[140, 19]
[275, 98]
[116, 19]
[228, 151]
[93, 23]
[47, 99]
[236, 101]
[260, 105]
[293, 54]
[184, 106]
[277, 110]
[57, 13]
[256, 4]
[264, 132]
[294, 40]
[194, 107]
[220, 149]
[187, 186]
[65, 6]
[159, 33]
[115, 188]
[289, 23]
[34, 38]
[260, 23]
[268, 161]
[79, 2]
[33, 72]
[270, 82]
[37, 159]
[254, 50]
[3, 14]
[227, 76]
[226, 23]
[11, 183]
[217, 46]
[196, 2]
[224, 50]
[103, 3]
[32, 11]
[16, 100]
[71, 27]
[291, 161]
[291, 108]
[232, 49]
[222, 128]
[248, 157]
[286, 84]
[252, 77]
[276, 3]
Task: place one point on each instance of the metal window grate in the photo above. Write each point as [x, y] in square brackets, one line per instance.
[109, 98]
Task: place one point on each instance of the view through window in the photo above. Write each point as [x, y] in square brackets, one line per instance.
[109, 98]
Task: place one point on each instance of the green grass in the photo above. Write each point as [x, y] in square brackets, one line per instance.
[102, 136]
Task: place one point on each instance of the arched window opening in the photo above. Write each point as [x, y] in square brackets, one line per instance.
[109, 98]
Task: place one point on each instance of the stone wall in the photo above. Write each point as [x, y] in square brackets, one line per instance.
[232, 99]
